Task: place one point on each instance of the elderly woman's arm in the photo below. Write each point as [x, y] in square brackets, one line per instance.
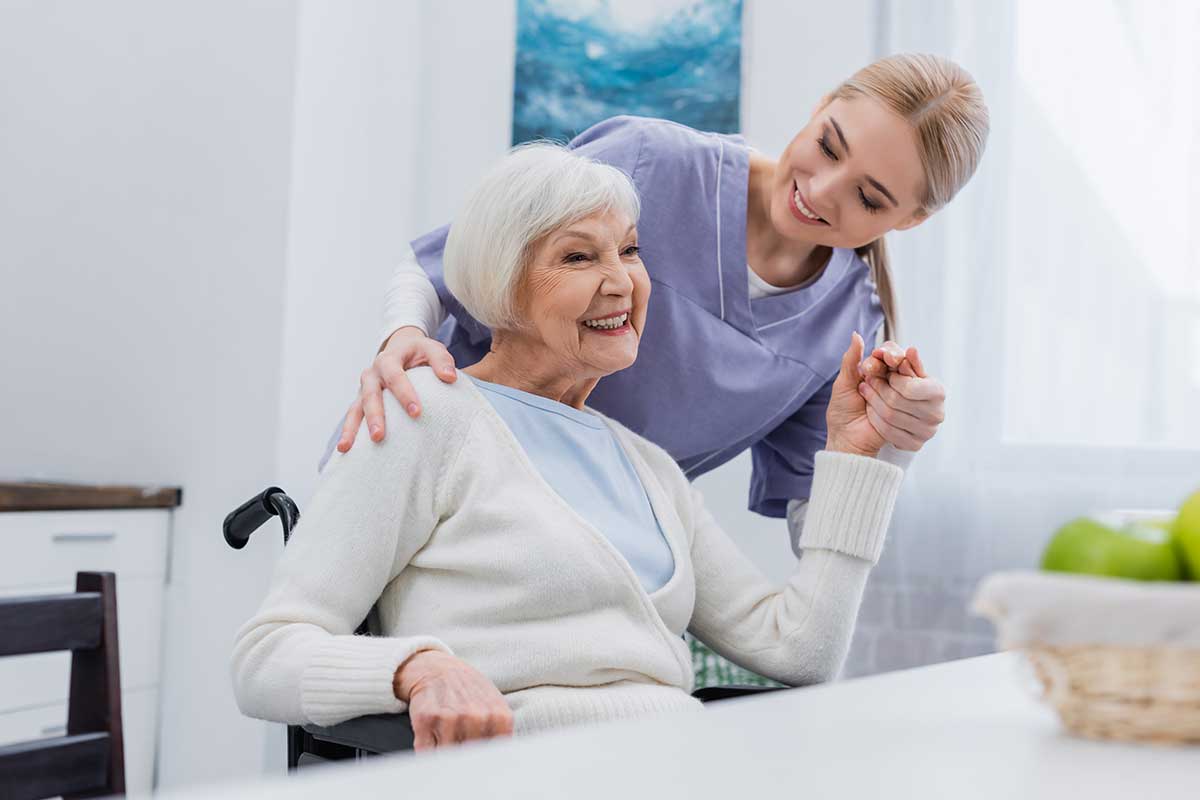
[297, 659]
[800, 633]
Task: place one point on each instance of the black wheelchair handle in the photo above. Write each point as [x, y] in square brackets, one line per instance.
[250, 515]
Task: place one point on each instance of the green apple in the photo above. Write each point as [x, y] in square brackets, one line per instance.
[1186, 534]
[1118, 548]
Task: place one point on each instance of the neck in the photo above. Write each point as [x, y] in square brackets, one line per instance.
[776, 259]
[519, 365]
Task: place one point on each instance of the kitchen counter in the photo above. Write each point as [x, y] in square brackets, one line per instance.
[970, 728]
[40, 496]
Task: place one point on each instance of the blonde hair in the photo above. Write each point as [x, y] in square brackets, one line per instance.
[945, 107]
[535, 189]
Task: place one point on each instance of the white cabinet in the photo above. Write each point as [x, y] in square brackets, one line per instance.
[40, 552]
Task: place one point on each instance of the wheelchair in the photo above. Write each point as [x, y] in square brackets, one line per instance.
[374, 734]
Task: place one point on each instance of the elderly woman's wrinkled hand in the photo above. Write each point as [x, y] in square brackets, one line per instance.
[449, 701]
[904, 404]
[846, 418]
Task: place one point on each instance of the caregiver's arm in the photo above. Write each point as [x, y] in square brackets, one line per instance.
[411, 301]
[799, 633]
[412, 313]
[297, 660]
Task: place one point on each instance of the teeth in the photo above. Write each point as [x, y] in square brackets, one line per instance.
[803, 208]
[608, 323]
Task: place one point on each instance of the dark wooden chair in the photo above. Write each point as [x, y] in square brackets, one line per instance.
[90, 760]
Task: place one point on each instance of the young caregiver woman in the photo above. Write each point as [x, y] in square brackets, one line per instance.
[761, 271]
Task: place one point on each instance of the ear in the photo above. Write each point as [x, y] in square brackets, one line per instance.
[913, 221]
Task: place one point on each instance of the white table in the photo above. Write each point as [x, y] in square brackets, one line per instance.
[969, 728]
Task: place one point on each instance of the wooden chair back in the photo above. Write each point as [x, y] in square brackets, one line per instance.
[89, 761]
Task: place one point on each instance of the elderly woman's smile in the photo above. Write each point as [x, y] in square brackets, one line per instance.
[613, 325]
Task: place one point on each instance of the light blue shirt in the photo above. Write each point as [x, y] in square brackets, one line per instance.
[583, 462]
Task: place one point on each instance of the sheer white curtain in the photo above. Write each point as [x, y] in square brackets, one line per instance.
[1058, 298]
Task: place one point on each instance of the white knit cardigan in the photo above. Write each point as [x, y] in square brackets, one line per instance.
[448, 528]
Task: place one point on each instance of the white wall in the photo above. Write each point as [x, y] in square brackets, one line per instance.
[353, 202]
[145, 152]
[201, 206]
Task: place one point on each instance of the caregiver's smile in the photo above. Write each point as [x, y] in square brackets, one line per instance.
[800, 209]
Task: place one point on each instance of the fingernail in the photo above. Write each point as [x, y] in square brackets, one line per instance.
[413, 409]
[374, 429]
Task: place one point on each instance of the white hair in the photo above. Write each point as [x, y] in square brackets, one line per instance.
[536, 188]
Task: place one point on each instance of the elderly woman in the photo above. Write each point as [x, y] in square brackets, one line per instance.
[535, 564]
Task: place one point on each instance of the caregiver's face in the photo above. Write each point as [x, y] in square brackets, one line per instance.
[584, 295]
[850, 176]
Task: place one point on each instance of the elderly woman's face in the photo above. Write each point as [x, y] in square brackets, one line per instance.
[585, 294]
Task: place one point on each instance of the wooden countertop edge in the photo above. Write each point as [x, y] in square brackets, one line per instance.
[84, 497]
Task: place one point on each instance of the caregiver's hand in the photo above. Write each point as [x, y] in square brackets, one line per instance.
[449, 701]
[904, 404]
[850, 430]
[406, 348]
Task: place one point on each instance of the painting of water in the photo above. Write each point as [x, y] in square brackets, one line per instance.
[581, 61]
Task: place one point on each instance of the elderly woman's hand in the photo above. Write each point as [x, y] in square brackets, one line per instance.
[406, 348]
[903, 403]
[449, 701]
[846, 418]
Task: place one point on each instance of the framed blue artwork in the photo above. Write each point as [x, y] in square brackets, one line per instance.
[581, 61]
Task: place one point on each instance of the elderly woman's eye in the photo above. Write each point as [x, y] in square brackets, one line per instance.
[576, 258]
[632, 250]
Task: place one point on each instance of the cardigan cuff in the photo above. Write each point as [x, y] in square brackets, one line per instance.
[351, 676]
[851, 504]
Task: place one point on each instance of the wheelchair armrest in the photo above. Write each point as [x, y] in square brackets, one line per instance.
[375, 733]
[710, 694]
[387, 733]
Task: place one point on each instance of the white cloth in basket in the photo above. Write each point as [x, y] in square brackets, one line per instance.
[1062, 609]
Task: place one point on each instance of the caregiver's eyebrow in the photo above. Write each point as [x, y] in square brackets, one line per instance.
[883, 189]
[841, 136]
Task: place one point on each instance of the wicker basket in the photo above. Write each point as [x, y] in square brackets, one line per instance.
[1149, 694]
[1117, 659]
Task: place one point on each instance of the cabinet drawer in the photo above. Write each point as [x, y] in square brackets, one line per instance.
[48, 548]
[43, 678]
[139, 711]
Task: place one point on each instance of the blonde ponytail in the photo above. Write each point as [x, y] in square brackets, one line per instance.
[875, 255]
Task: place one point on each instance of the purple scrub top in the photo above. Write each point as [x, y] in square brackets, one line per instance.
[716, 372]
